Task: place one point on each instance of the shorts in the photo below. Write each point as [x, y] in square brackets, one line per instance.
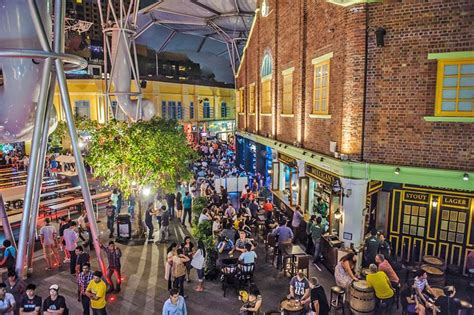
[200, 274]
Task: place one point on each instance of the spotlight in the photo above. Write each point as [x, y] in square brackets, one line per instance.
[286, 146]
[465, 176]
[435, 202]
[294, 186]
[275, 143]
[146, 191]
[397, 171]
[304, 153]
[312, 156]
[321, 159]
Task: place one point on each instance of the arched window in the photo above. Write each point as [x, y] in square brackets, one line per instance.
[266, 84]
[223, 110]
[206, 109]
[266, 65]
[191, 110]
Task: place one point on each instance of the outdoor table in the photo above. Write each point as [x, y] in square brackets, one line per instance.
[291, 306]
[65, 205]
[55, 201]
[68, 190]
[54, 187]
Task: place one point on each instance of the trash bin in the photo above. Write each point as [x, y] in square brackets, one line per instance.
[124, 226]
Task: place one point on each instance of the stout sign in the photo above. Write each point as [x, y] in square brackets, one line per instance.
[456, 201]
[416, 196]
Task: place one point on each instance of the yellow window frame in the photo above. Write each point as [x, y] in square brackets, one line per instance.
[439, 87]
[266, 94]
[315, 88]
[240, 100]
[287, 95]
[252, 98]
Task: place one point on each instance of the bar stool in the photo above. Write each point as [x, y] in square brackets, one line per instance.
[337, 298]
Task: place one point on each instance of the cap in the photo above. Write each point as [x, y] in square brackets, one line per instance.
[54, 287]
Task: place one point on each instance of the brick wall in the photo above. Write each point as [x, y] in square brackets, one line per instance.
[402, 85]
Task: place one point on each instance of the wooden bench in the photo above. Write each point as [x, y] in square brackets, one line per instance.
[68, 190]
[55, 187]
[66, 205]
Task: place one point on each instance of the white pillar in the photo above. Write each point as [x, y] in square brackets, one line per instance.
[353, 219]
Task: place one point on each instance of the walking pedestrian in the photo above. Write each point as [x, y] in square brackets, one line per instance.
[113, 255]
[110, 212]
[179, 270]
[197, 263]
[170, 253]
[82, 258]
[316, 232]
[187, 205]
[63, 225]
[31, 303]
[48, 236]
[131, 206]
[55, 303]
[171, 200]
[165, 222]
[16, 287]
[83, 280]
[179, 205]
[9, 256]
[70, 241]
[96, 291]
[175, 305]
[149, 222]
[115, 198]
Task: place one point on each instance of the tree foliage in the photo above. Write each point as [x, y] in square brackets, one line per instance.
[151, 154]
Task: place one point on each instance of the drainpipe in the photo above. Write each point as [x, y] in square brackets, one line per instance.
[366, 66]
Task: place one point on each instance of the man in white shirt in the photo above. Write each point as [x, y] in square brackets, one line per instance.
[203, 217]
[7, 301]
[70, 238]
[48, 235]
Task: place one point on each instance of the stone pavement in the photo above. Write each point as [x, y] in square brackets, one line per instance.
[144, 288]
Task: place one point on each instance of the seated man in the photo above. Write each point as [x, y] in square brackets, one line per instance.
[299, 288]
[248, 256]
[203, 217]
[242, 241]
[381, 284]
[422, 288]
[225, 245]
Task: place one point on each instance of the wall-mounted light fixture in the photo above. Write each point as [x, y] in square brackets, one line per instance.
[338, 215]
[312, 156]
[397, 171]
[321, 159]
[465, 176]
[304, 153]
[275, 143]
[294, 186]
[434, 202]
[286, 146]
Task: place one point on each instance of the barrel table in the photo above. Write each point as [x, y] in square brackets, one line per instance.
[435, 275]
[291, 307]
[364, 272]
[362, 298]
[434, 261]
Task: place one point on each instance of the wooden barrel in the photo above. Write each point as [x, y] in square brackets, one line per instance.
[434, 261]
[438, 291]
[362, 298]
[435, 275]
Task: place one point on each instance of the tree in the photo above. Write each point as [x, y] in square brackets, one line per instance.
[146, 156]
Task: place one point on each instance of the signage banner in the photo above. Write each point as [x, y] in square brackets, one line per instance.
[286, 159]
[321, 175]
[416, 196]
[456, 201]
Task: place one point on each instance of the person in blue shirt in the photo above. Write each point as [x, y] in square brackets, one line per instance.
[9, 256]
[175, 305]
[225, 245]
[248, 256]
[187, 206]
[284, 238]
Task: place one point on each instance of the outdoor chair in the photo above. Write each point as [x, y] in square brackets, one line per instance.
[229, 279]
[270, 247]
[245, 274]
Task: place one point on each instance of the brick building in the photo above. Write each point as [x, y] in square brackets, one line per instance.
[375, 98]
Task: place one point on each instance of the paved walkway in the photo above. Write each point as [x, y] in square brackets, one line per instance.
[144, 288]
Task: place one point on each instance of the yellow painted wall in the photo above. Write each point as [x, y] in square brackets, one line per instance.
[91, 90]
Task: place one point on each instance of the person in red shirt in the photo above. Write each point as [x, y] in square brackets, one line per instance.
[385, 266]
[268, 208]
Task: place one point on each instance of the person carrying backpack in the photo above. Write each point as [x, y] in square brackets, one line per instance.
[9, 256]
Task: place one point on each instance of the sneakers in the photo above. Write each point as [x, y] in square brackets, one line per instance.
[65, 261]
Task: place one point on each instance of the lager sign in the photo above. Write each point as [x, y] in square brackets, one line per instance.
[456, 201]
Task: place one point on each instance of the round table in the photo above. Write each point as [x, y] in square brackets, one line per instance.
[437, 292]
[291, 307]
[434, 261]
